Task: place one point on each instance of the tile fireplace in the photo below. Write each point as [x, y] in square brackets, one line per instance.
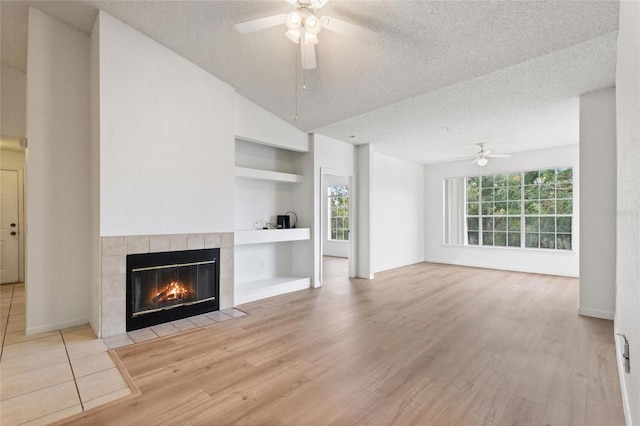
[110, 294]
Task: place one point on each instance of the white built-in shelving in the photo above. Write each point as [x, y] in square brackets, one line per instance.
[268, 183]
[262, 236]
[267, 175]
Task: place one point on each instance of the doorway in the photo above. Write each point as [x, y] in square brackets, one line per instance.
[337, 225]
[9, 244]
[12, 161]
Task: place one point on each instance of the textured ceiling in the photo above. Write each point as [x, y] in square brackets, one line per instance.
[442, 77]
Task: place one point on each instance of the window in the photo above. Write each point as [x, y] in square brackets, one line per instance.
[526, 209]
[338, 197]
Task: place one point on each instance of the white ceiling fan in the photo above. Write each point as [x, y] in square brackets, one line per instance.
[303, 26]
[482, 157]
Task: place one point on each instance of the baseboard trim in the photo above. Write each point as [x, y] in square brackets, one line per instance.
[56, 326]
[596, 313]
[503, 268]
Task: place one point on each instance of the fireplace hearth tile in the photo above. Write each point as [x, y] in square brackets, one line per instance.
[178, 242]
[113, 246]
[235, 313]
[184, 324]
[166, 329]
[195, 241]
[212, 240]
[142, 335]
[218, 316]
[118, 341]
[202, 320]
[159, 243]
[138, 244]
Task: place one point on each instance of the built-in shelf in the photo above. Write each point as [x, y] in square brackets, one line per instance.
[268, 175]
[261, 236]
[266, 178]
[255, 290]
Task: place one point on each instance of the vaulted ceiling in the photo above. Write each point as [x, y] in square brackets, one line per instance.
[443, 76]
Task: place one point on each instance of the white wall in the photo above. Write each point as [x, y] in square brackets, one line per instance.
[166, 139]
[334, 156]
[13, 86]
[365, 225]
[627, 318]
[58, 190]
[253, 123]
[398, 212]
[598, 203]
[95, 290]
[528, 260]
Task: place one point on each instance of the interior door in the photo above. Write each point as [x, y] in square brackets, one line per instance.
[9, 245]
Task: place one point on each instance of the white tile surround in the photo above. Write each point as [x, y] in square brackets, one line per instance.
[114, 252]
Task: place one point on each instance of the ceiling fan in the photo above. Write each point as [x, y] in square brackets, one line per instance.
[482, 157]
[303, 26]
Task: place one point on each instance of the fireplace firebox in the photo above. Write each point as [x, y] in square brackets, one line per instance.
[167, 286]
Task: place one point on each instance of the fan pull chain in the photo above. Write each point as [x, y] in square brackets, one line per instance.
[295, 89]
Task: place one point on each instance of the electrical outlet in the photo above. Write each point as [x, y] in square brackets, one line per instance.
[625, 354]
[259, 224]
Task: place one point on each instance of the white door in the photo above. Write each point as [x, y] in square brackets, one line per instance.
[9, 245]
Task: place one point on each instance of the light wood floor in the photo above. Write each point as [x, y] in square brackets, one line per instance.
[426, 344]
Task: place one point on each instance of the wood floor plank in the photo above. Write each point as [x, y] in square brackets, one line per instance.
[428, 344]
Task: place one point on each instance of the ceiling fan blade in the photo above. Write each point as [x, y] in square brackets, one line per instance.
[499, 155]
[308, 54]
[317, 4]
[260, 23]
[348, 29]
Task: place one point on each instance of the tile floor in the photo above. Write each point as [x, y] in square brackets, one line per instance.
[50, 376]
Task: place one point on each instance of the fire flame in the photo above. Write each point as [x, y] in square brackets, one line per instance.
[172, 292]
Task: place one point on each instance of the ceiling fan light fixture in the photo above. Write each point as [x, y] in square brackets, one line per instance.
[482, 161]
[312, 24]
[293, 35]
[294, 20]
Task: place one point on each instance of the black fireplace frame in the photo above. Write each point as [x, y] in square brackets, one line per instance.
[178, 312]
